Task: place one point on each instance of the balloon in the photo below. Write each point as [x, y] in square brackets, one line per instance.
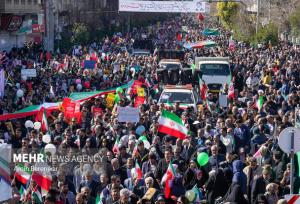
[18, 85]
[24, 78]
[146, 144]
[140, 130]
[202, 159]
[143, 138]
[78, 81]
[29, 124]
[20, 93]
[46, 139]
[87, 85]
[119, 90]
[190, 195]
[117, 98]
[50, 148]
[79, 87]
[37, 125]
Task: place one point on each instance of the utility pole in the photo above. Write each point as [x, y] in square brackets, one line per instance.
[269, 11]
[49, 38]
[257, 15]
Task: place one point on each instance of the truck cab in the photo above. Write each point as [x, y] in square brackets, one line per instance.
[214, 71]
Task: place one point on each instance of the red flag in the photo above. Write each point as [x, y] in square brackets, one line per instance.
[139, 100]
[200, 17]
[42, 118]
[179, 37]
[203, 91]
[231, 91]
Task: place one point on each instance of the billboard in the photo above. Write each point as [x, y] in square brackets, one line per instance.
[195, 6]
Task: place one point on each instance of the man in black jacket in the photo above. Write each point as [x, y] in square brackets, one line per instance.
[163, 164]
[259, 184]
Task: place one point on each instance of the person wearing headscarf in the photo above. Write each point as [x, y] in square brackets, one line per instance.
[239, 176]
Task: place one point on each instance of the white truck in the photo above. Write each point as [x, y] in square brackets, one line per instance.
[214, 71]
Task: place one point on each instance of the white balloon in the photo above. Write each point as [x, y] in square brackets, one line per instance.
[79, 87]
[20, 93]
[146, 144]
[37, 125]
[24, 78]
[29, 124]
[50, 148]
[46, 139]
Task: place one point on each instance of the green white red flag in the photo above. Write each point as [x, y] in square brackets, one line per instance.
[22, 173]
[42, 118]
[171, 124]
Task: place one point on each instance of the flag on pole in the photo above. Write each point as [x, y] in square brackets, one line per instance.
[36, 196]
[42, 177]
[22, 173]
[116, 145]
[168, 178]
[42, 118]
[22, 192]
[98, 199]
[171, 124]
[260, 102]
[138, 171]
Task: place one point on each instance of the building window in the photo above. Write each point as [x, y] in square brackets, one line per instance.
[23, 2]
[8, 1]
[35, 2]
[16, 2]
[29, 2]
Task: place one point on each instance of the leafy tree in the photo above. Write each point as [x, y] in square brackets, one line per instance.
[268, 33]
[80, 34]
[226, 11]
[294, 21]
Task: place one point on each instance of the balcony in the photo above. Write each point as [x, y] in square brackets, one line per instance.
[20, 6]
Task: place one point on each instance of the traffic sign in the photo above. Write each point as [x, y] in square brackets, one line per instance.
[285, 140]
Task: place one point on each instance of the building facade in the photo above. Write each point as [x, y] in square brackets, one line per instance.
[20, 21]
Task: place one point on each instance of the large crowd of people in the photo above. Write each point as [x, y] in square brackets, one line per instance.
[245, 163]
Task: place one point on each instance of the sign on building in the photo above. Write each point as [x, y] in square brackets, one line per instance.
[195, 6]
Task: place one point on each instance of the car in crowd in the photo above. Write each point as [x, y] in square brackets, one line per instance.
[185, 95]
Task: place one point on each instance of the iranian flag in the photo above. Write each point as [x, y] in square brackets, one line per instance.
[99, 199]
[168, 179]
[171, 124]
[116, 145]
[42, 176]
[36, 196]
[260, 102]
[138, 171]
[22, 192]
[42, 118]
[23, 173]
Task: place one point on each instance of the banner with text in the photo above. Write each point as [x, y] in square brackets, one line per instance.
[128, 114]
[196, 6]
